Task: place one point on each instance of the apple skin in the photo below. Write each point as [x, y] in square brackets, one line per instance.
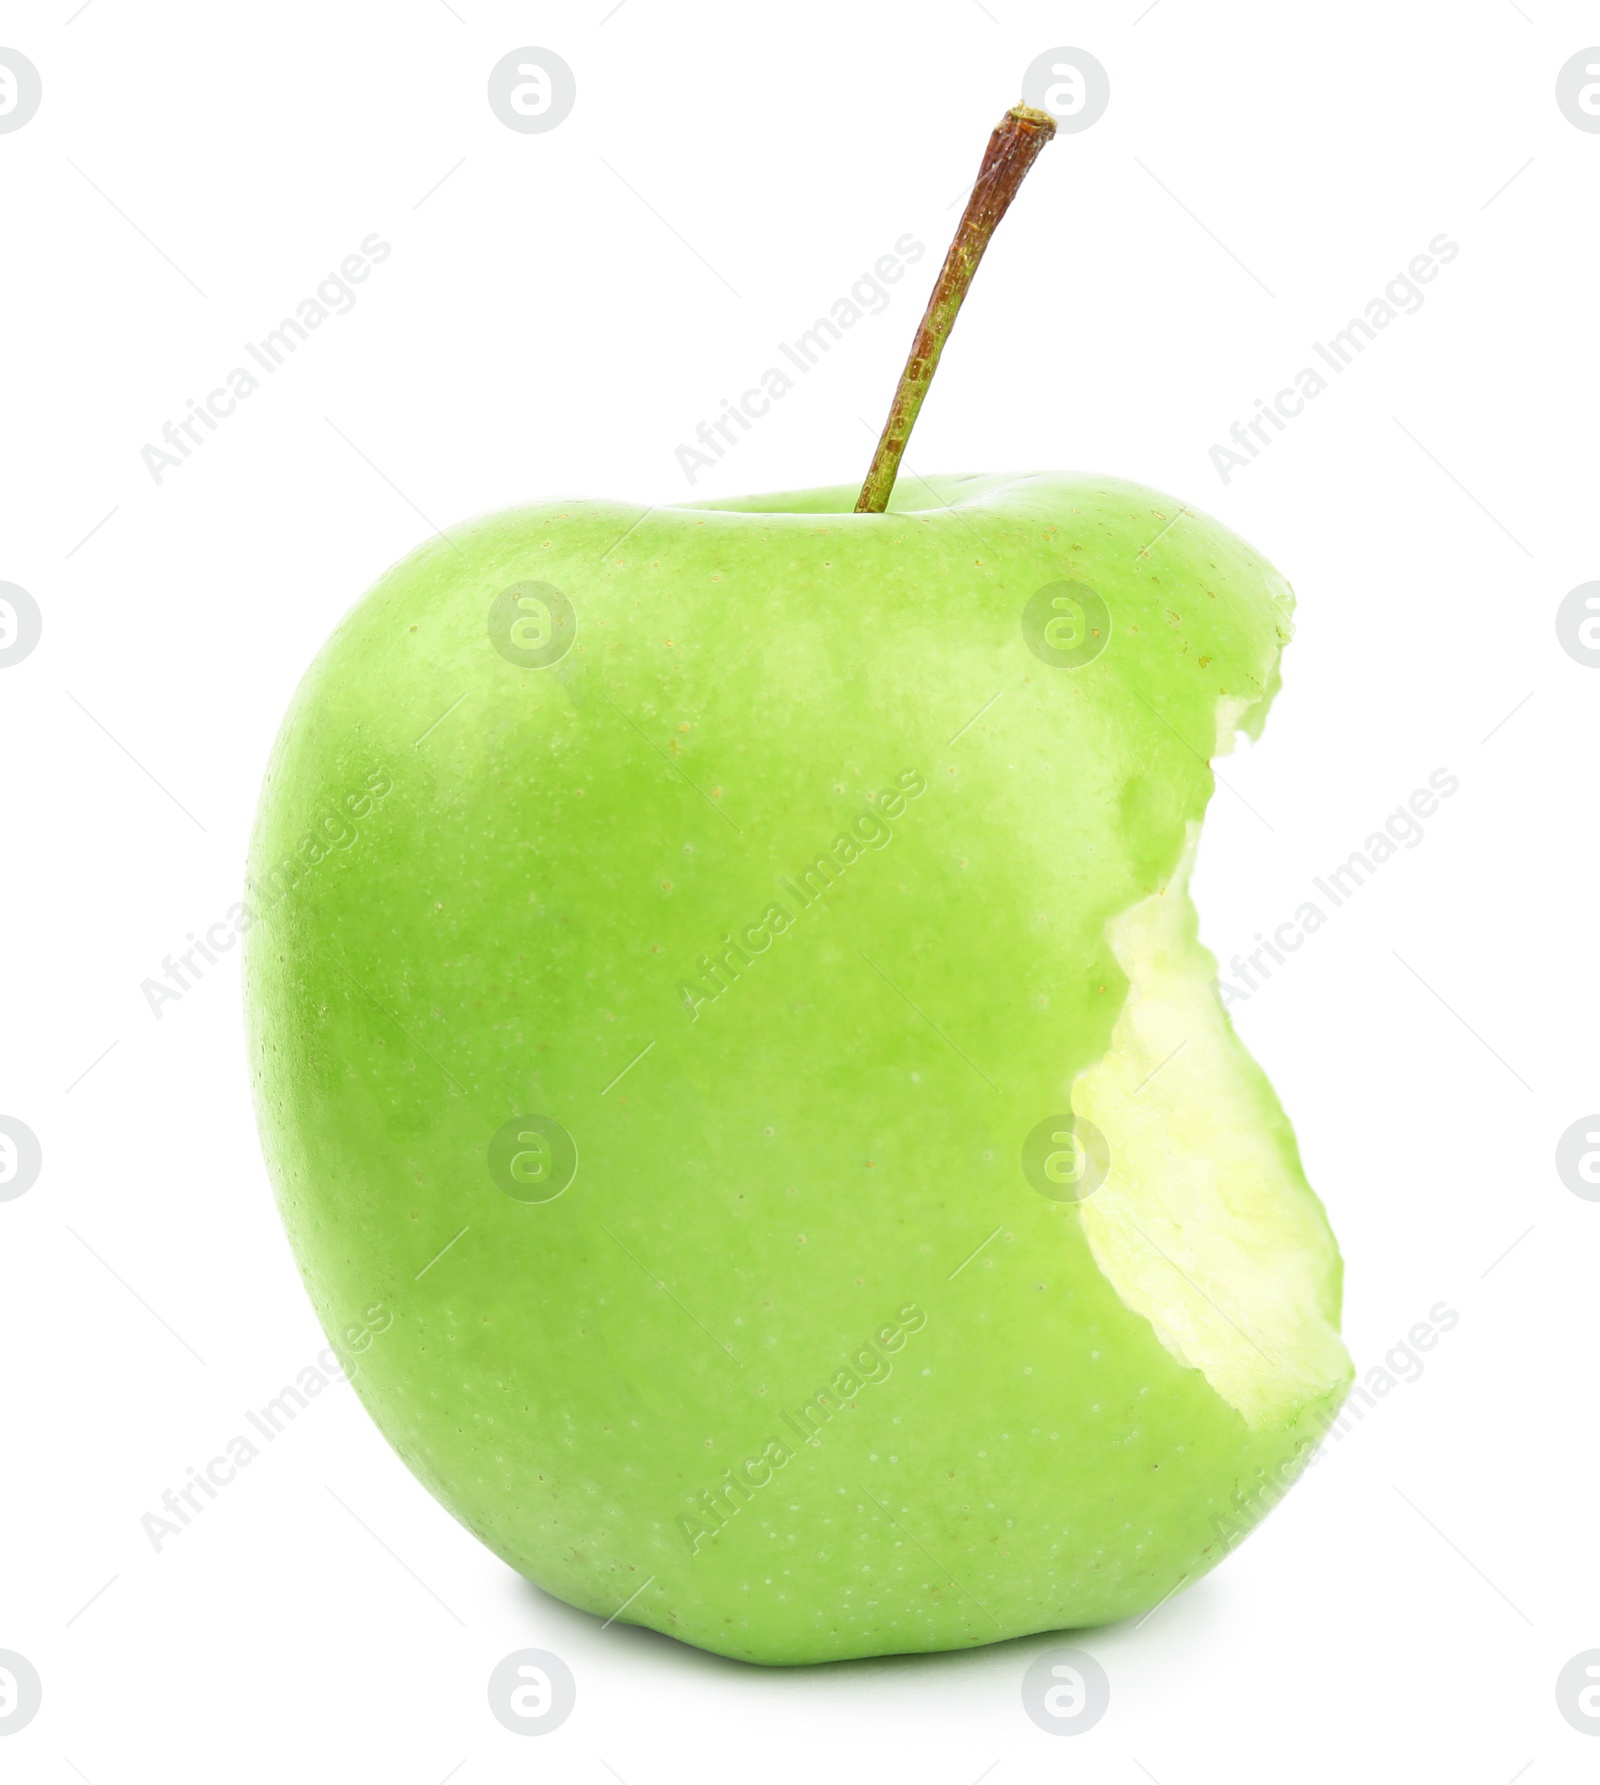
[477, 892]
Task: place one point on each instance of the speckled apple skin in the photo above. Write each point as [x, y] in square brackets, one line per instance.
[502, 879]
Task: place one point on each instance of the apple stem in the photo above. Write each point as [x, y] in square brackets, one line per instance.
[1012, 150]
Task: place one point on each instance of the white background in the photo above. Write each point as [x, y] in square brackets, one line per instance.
[548, 325]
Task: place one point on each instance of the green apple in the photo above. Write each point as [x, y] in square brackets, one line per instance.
[739, 1072]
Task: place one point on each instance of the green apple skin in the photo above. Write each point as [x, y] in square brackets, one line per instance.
[480, 891]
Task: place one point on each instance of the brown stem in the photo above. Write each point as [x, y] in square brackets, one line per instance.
[1016, 142]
